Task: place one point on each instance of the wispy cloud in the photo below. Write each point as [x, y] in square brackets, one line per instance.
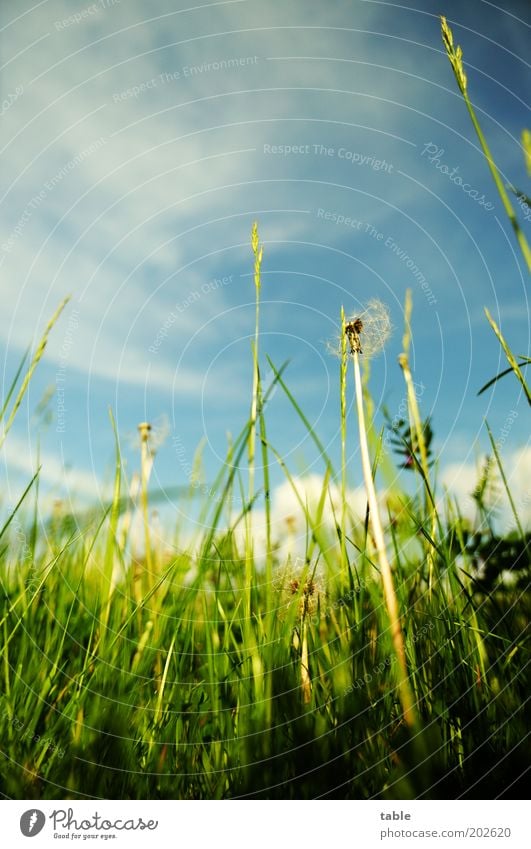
[144, 142]
[22, 459]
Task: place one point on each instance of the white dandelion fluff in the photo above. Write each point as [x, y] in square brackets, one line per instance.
[367, 331]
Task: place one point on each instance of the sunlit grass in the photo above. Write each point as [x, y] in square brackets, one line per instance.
[379, 665]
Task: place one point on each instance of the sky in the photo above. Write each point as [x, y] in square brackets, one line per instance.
[140, 142]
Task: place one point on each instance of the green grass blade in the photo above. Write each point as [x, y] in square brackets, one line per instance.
[234, 456]
[39, 351]
[262, 431]
[313, 523]
[509, 354]
[13, 384]
[302, 416]
[455, 57]
[505, 483]
[112, 535]
[526, 144]
[19, 503]
[520, 195]
[524, 361]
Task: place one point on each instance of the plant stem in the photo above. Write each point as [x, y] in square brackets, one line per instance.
[306, 684]
[455, 56]
[33, 365]
[416, 428]
[510, 356]
[391, 602]
[249, 553]
[507, 205]
[343, 414]
[145, 469]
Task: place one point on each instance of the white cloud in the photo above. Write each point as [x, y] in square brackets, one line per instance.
[461, 479]
[289, 524]
[21, 459]
[72, 104]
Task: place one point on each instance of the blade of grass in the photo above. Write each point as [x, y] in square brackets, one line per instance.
[304, 419]
[524, 361]
[397, 636]
[455, 56]
[45, 573]
[267, 501]
[19, 503]
[39, 351]
[313, 524]
[257, 249]
[13, 384]
[504, 479]
[526, 144]
[509, 354]
[234, 455]
[343, 366]
[112, 534]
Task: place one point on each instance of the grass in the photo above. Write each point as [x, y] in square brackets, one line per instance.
[384, 666]
[455, 57]
[390, 662]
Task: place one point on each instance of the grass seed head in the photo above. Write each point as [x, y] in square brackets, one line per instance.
[455, 55]
[526, 144]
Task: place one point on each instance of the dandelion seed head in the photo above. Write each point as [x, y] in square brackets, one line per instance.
[153, 434]
[299, 586]
[367, 331]
[144, 429]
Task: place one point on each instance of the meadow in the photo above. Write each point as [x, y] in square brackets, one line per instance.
[389, 661]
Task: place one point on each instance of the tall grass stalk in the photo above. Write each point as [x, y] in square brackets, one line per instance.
[39, 351]
[455, 57]
[343, 369]
[391, 601]
[505, 482]
[257, 249]
[258, 252]
[267, 503]
[417, 430]
[306, 684]
[510, 356]
[112, 547]
[146, 463]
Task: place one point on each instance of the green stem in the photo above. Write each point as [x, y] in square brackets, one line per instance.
[249, 552]
[33, 365]
[455, 57]
[391, 601]
[417, 429]
[522, 241]
[343, 413]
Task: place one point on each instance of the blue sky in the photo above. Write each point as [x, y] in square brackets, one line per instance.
[140, 143]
